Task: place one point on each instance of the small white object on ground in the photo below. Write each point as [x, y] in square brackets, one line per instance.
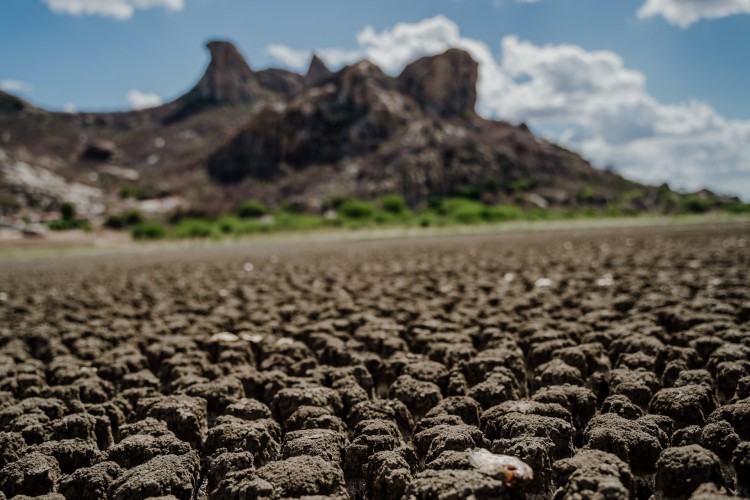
[224, 337]
[543, 283]
[510, 470]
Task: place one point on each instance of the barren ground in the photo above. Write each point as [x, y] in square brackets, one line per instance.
[614, 362]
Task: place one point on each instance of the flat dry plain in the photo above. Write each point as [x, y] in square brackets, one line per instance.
[615, 363]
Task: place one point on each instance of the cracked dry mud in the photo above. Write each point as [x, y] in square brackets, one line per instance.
[616, 363]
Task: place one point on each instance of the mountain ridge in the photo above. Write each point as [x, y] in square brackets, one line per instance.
[288, 138]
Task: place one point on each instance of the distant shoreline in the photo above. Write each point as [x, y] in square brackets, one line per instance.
[79, 243]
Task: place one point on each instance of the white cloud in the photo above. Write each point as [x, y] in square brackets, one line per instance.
[14, 86]
[587, 100]
[684, 13]
[295, 59]
[118, 9]
[69, 107]
[143, 100]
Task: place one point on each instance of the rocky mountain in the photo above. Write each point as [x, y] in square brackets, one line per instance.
[283, 137]
[362, 132]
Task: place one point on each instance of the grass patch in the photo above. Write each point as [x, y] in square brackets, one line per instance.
[391, 211]
[149, 230]
[356, 210]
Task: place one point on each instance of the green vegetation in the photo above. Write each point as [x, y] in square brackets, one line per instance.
[150, 230]
[133, 192]
[696, 204]
[126, 219]
[522, 185]
[737, 208]
[68, 219]
[393, 203]
[67, 211]
[252, 209]
[357, 210]
[253, 217]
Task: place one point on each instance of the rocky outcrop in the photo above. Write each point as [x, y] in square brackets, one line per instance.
[444, 84]
[228, 78]
[349, 116]
[10, 103]
[281, 81]
[416, 135]
[317, 72]
[355, 132]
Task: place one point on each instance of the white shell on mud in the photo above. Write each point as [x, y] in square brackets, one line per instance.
[224, 337]
[506, 468]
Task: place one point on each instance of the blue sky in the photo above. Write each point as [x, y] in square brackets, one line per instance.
[655, 88]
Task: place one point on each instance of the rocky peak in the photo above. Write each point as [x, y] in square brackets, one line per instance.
[444, 84]
[10, 103]
[317, 72]
[228, 78]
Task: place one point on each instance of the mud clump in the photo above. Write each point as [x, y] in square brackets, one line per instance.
[379, 369]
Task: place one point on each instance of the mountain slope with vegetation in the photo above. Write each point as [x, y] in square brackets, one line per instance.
[302, 144]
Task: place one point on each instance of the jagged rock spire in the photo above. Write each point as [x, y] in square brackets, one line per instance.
[317, 72]
[228, 78]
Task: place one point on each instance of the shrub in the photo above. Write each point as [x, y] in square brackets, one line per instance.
[67, 211]
[148, 230]
[228, 224]
[195, 228]
[355, 209]
[465, 211]
[522, 185]
[696, 204]
[133, 192]
[427, 220]
[126, 219]
[393, 203]
[503, 212]
[115, 222]
[252, 209]
[737, 208]
[471, 192]
[587, 195]
[66, 224]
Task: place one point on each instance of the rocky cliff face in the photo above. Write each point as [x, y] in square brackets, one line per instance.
[350, 115]
[416, 135]
[445, 84]
[228, 78]
[280, 136]
[317, 72]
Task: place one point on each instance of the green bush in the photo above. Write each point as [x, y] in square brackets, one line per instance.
[252, 209]
[133, 192]
[427, 219]
[737, 208]
[359, 210]
[696, 204]
[633, 196]
[149, 230]
[196, 228]
[335, 202]
[435, 203]
[587, 195]
[464, 211]
[500, 213]
[393, 203]
[522, 185]
[67, 211]
[385, 218]
[228, 224]
[66, 224]
[114, 222]
[126, 219]
[470, 192]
